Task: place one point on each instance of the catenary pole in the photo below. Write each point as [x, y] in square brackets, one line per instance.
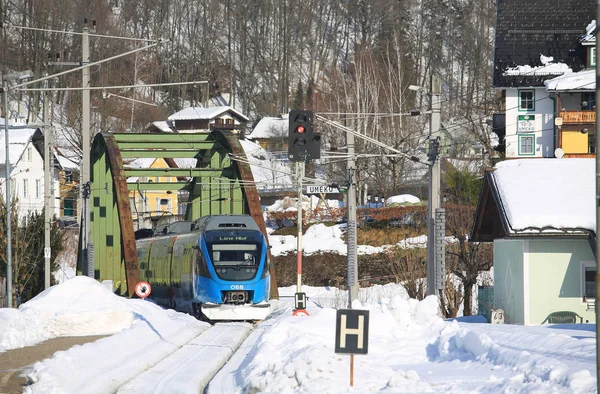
[434, 182]
[48, 178]
[85, 134]
[351, 257]
[597, 278]
[9, 289]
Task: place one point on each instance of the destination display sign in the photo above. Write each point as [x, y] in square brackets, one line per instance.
[228, 237]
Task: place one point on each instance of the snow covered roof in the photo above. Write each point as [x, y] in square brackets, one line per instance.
[522, 34]
[547, 67]
[160, 125]
[142, 162]
[66, 162]
[270, 127]
[583, 80]
[193, 113]
[268, 172]
[579, 81]
[18, 139]
[590, 35]
[537, 196]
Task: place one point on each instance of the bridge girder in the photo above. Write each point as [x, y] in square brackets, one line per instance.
[217, 184]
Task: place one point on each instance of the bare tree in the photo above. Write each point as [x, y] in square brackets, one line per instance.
[465, 259]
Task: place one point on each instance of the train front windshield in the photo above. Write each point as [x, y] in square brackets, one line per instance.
[235, 261]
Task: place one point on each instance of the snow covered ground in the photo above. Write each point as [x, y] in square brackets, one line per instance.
[411, 349]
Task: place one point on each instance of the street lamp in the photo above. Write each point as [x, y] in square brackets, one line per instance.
[369, 200]
[19, 76]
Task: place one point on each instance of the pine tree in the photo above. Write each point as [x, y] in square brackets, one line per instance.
[27, 243]
[299, 97]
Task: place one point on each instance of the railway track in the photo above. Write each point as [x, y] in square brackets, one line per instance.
[191, 368]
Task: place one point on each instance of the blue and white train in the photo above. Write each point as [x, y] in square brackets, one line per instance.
[215, 268]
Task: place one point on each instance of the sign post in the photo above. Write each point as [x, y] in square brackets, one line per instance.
[300, 299]
[352, 334]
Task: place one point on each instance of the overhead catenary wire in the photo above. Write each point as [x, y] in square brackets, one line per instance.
[369, 139]
[79, 34]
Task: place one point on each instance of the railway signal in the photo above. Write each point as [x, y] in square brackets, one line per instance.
[304, 144]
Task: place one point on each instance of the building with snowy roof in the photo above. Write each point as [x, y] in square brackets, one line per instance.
[200, 119]
[534, 43]
[26, 158]
[541, 217]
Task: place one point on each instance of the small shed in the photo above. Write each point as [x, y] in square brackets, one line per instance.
[541, 216]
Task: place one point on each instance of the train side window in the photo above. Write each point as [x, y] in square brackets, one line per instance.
[201, 266]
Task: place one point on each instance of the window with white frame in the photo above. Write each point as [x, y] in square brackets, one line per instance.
[588, 284]
[527, 144]
[592, 56]
[526, 100]
[38, 188]
[25, 184]
[29, 153]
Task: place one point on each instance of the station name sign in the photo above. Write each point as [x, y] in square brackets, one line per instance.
[321, 189]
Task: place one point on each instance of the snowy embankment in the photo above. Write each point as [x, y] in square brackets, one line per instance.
[411, 349]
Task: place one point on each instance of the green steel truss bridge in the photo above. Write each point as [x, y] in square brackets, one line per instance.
[218, 185]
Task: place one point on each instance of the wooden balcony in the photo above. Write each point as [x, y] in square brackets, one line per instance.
[224, 126]
[578, 117]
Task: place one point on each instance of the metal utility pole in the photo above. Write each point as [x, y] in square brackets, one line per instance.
[434, 183]
[300, 174]
[48, 190]
[597, 208]
[18, 76]
[9, 290]
[86, 137]
[351, 257]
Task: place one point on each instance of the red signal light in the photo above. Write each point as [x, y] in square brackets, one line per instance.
[300, 129]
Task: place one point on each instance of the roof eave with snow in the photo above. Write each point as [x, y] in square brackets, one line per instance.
[507, 204]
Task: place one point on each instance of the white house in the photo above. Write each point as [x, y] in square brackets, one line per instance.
[26, 147]
[534, 44]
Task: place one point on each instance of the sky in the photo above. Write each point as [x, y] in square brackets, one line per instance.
[148, 349]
